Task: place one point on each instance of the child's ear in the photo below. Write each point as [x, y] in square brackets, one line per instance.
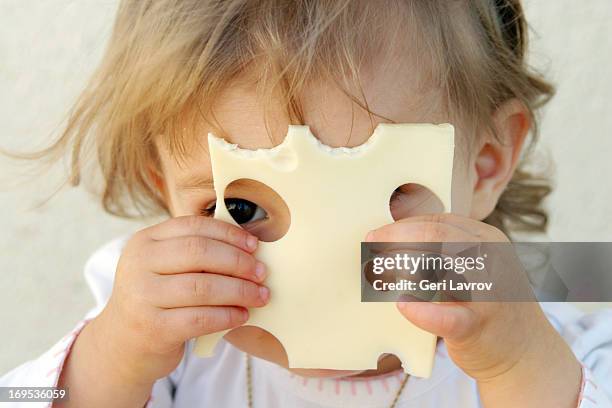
[497, 158]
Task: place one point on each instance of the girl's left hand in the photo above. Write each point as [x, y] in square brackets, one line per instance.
[511, 350]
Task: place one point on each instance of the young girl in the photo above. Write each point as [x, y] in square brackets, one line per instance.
[244, 70]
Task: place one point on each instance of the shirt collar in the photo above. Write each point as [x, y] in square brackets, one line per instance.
[372, 391]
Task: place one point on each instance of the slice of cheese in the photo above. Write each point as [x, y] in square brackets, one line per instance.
[335, 196]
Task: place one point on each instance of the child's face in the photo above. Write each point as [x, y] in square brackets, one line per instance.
[332, 117]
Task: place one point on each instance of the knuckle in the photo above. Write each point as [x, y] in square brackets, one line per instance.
[201, 287]
[201, 318]
[235, 235]
[225, 317]
[196, 246]
[235, 316]
[239, 262]
[439, 218]
[253, 294]
[433, 232]
[230, 234]
[192, 222]
[245, 291]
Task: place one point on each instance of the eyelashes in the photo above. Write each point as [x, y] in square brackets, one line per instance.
[208, 211]
[241, 210]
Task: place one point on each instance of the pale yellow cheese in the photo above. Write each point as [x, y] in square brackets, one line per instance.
[335, 196]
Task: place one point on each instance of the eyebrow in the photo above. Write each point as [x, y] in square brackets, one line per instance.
[195, 181]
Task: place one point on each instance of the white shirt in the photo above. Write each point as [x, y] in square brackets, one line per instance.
[220, 380]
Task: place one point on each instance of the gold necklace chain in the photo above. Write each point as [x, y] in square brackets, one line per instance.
[250, 385]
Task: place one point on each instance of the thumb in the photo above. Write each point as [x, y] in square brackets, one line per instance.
[449, 320]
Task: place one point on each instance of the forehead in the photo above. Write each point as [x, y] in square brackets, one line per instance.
[393, 92]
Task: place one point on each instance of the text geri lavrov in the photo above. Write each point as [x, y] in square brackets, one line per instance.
[423, 263]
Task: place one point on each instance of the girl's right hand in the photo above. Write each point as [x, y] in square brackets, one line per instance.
[183, 278]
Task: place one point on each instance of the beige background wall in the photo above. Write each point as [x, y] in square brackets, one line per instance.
[48, 49]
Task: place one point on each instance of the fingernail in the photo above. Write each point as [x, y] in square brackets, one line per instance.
[260, 271]
[251, 242]
[370, 236]
[264, 292]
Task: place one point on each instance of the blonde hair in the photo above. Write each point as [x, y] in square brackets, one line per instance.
[168, 60]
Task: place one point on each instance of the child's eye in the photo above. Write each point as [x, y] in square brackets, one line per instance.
[242, 211]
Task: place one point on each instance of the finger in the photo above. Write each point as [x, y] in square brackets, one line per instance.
[449, 320]
[197, 253]
[187, 322]
[420, 231]
[207, 289]
[206, 227]
[471, 226]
